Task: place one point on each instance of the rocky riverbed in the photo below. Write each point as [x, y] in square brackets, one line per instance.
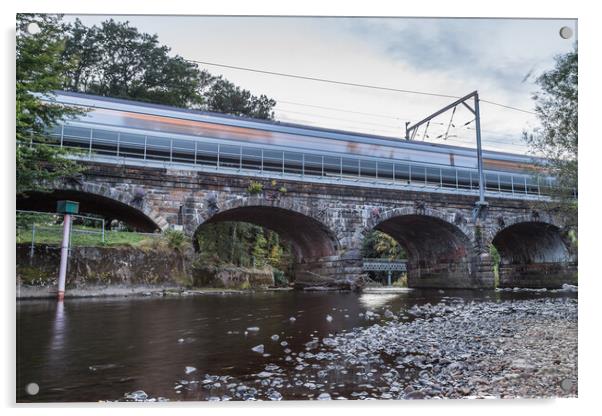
[453, 349]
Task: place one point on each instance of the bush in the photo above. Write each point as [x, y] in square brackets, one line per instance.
[401, 282]
[279, 278]
[255, 188]
[176, 240]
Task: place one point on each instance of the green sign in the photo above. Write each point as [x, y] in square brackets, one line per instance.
[67, 207]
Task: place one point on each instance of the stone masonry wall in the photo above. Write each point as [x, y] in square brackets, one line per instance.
[335, 217]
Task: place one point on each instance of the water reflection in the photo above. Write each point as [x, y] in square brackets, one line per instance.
[376, 300]
[58, 329]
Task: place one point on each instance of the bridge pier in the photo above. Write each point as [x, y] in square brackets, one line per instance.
[332, 272]
[471, 273]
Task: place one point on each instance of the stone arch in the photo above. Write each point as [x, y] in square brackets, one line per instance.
[455, 218]
[533, 252]
[503, 222]
[99, 199]
[440, 248]
[296, 223]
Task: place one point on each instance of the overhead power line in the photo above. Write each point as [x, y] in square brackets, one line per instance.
[330, 81]
[352, 84]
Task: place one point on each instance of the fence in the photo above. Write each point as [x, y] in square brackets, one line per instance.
[255, 159]
[36, 227]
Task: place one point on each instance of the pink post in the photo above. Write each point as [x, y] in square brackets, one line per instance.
[64, 257]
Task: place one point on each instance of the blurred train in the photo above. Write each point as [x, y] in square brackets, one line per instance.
[138, 130]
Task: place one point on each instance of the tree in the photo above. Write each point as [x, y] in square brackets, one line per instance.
[557, 139]
[225, 97]
[39, 69]
[116, 60]
[380, 245]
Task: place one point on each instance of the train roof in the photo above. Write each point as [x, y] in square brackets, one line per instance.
[184, 113]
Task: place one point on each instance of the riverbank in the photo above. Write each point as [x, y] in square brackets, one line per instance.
[45, 292]
[454, 349]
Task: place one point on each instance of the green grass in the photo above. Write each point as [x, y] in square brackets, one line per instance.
[52, 235]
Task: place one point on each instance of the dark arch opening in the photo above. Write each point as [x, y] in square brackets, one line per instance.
[89, 203]
[308, 237]
[439, 253]
[534, 254]
[531, 242]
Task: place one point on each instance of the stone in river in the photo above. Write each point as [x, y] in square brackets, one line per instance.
[258, 348]
[329, 318]
[190, 370]
[275, 337]
[275, 396]
[253, 329]
[137, 395]
[415, 395]
[292, 319]
[324, 396]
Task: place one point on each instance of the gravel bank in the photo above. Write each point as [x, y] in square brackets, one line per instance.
[454, 349]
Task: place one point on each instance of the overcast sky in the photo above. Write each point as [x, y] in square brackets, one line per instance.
[499, 58]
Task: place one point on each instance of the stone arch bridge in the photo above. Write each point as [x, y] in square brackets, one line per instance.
[447, 245]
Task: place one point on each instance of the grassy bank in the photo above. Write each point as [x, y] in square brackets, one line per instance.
[82, 236]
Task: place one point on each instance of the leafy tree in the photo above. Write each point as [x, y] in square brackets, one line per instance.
[116, 60]
[380, 245]
[275, 250]
[239, 243]
[557, 139]
[39, 69]
[225, 97]
[260, 248]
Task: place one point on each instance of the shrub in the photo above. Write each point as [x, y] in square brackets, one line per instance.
[255, 188]
[176, 240]
[282, 190]
[495, 258]
[401, 282]
[279, 278]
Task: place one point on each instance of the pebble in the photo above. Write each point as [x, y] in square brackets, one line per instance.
[258, 348]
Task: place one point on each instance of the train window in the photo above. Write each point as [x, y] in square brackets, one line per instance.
[292, 163]
[466, 179]
[54, 131]
[313, 165]
[402, 172]
[332, 166]
[368, 169]
[104, 142]
[385, 170]
[74, 132]
[183, 151]
[206, 154]
[229, 156]
[131, 145]
[434, 176]
[76, 137]
[251, 158]
[350, 167]
[272, 160]
[158, 148]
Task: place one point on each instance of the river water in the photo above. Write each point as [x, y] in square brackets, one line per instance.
[101, 349]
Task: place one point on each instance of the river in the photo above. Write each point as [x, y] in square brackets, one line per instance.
[101, 349]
